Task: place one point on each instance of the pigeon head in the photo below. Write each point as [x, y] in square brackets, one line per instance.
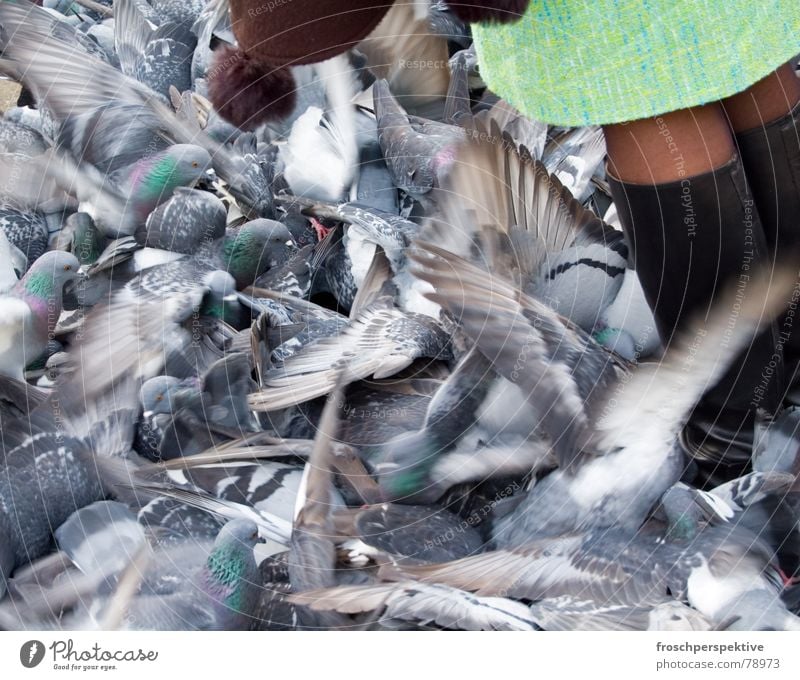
[87, 241]
[220, 284]
[251, 83]
[220, 300]
[189, 163]
[158, 395]
[255, 247]
[155, 178]
[238, 535]
[46, 278]
[404, 468]
[252, 188]
[682, 511]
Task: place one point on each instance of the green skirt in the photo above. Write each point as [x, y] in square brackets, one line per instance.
[575, 62]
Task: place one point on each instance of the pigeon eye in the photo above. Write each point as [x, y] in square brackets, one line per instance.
[195, 164]
[67, 267]
[160, 397]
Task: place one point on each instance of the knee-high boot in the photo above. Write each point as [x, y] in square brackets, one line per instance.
[771, 158]
[690, 238]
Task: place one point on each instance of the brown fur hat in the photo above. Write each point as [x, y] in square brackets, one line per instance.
[252, 83]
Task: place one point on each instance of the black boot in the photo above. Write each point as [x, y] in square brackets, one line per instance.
[771, 158]
[689, 239]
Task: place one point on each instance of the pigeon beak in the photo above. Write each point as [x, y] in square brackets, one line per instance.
[147, 414]
[207, 179]
[289, 243]
[80, 277]
[233, 297]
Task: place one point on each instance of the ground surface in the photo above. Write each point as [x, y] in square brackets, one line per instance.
[9, 91]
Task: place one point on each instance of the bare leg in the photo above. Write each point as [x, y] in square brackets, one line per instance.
[669, 147]
[767, 100]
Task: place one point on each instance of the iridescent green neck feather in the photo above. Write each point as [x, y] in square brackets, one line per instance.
[242, 258]
[39, 284]
[228, 569]
[157, 177]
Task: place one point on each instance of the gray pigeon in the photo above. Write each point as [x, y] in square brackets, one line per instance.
[631, 461]
[158, 57]
[188, 585]
[27, 231]
[21, 139]
[183, 223]
[421, 603]
[418, 156]
[722, 573]
[56, 72]
[379, 342]
[30, 311]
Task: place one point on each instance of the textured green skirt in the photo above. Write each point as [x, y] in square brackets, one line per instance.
[574, 62]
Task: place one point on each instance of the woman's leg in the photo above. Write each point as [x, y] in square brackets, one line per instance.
[766, 119]
[764, 102]
[685, 208]
[670, 147]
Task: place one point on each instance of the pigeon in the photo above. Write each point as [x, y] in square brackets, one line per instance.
[31, 310]
[574, 156]
[12, 262]
[626, 326]
[101, 538]
[161, 398]
[184, 222]
[222, 300]
[390, 231]
[412, 534]
[188, 585]
[20, 139]
[243, 252]
[56, 71]
[285, 325]
[159, 57]
[294, 277]
[721, 572]
[312, 561]
[457, 442]
[183, 289]
[52, 460]
[418, 156]
[767, 501]
[119, 201]
[547, 241]
[190, 416]
[568, 385]
[216, 592]
[81, 237]
[379, 342]
[27, 231]
[422, 603]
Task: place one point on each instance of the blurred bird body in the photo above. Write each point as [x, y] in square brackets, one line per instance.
[31, 310]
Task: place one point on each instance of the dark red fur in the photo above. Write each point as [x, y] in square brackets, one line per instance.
[247, 92]
[498, 11]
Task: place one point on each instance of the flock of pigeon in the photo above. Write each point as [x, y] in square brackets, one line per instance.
[380, 364]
